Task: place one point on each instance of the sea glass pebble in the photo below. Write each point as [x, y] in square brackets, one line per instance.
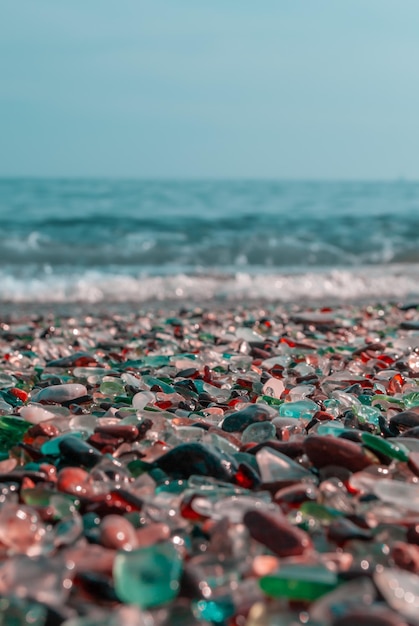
[148, 577]
[61, 393]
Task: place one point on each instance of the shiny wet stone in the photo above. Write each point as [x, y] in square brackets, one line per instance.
[304, 582]
[148, 577]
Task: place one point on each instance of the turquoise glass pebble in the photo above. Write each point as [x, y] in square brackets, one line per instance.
[214, 611]
[148, 577]
[52, 447]
[368, 415]
[304, 409]
[331, 428]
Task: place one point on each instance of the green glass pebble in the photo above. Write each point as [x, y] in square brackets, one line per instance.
[320, 512]
[148, 577]
[411, 399]
[12, 430]
[305, 583]
[304, 409]
[394, 450]
[269, 400]
[112, 388]
[365, 399]
[382, 400]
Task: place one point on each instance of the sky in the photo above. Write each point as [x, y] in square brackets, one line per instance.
[286, 89]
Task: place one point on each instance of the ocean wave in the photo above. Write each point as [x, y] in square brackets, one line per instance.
[96, 287]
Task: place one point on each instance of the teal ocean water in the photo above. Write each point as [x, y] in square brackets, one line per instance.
[128, 240]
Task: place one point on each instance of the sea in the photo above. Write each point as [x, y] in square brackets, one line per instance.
[109, 240]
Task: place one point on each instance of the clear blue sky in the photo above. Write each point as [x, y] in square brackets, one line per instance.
[221, 88]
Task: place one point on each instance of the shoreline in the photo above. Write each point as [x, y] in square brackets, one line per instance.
[182, 464]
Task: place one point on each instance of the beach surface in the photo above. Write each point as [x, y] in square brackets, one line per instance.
[225, 464]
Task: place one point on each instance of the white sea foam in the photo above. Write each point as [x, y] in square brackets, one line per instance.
[373, 283]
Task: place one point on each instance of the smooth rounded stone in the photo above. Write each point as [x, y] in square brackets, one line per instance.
[7, 380]
[127, 432]
[111, 386]
[413, 463]
[301, 409]
[400, 590]
[142, 398]
[74, 449]
[406, 556]
[195, 458]
[397, 493]
[86, 557]
[411, 433]
[152, 534]
[234, 507]
[75, 481]
[240, 420]
[118, 533]
[299, 582]
[327, 450]
[61, 393]
[291, 449]
[21, 529]
[262, 431]
[410, 443]
[404, 421]
[52, 447]
[294, 496]
[276, 533]
[372, 616]
[35, 414]
[273, 387]
[342, 530]
[412, 533]
[148, 577]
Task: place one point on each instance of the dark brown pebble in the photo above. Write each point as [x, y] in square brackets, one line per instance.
[276, 533]
[43, 429]
[127, 432]
[411, 432]
[294, 496]
[100, 440]
[412, 534]
[370, 617]
[18, 476]
[292, 449]
[406, 556]
[334, 471]
[404, 420]
[413, 463]
[97, 586]
[327, 450]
